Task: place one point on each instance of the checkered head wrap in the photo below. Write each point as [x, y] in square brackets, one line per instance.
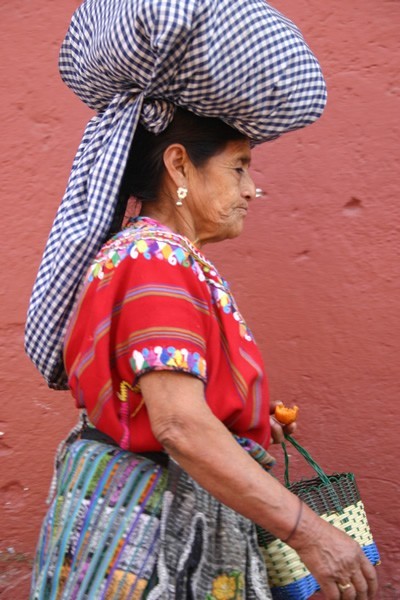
[135, 60]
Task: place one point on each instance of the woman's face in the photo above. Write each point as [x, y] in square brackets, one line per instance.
[219, 193]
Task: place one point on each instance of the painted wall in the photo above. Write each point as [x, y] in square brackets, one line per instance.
[316, 272]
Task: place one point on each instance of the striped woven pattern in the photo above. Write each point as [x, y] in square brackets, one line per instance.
[99, 539]
[131, 60]
[121, 527]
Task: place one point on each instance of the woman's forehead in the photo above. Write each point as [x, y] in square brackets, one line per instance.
[237, 150]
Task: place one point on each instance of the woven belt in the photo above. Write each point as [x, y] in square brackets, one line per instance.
[91, 433]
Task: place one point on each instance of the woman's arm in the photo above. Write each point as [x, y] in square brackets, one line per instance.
[183, 423]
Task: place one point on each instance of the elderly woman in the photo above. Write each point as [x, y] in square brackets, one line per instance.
[158, 491]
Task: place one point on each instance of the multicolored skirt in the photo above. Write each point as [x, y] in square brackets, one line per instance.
[122, 527]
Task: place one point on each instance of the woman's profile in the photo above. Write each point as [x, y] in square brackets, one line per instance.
[158, 489]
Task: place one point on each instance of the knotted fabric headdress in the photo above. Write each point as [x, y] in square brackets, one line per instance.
[135, 60]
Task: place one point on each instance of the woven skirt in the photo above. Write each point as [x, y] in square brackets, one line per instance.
[122, 527]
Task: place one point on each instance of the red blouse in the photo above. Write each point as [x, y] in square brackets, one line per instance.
[152, 301]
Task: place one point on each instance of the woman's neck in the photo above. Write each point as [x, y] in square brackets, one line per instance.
[177, 219]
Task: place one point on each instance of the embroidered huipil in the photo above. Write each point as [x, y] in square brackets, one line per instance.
[152, 301]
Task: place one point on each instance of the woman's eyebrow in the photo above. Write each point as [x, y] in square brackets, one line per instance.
[244, 159]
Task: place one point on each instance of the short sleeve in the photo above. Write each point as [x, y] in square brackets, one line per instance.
[164, 313]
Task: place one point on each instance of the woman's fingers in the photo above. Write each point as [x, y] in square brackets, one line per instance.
[360, 587]
[369, 572]
[290, 428]
[278, 430]
[339, 564]
[362, 584]
[355, 589]
[336, 590]
[349, 592]
[330, 590]
[277, 435]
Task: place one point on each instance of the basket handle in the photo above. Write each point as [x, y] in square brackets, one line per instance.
[320, 472]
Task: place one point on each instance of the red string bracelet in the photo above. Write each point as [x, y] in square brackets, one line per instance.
[291, 534]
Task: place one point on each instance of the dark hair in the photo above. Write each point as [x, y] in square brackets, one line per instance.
[202, 137]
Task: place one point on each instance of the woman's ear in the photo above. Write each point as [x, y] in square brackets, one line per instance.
[176, 161]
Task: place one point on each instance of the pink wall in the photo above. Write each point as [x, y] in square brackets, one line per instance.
[316, 272]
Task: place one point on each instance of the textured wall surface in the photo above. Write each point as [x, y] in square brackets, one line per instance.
[316, 272]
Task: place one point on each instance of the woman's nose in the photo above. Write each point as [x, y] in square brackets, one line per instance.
[250, 190]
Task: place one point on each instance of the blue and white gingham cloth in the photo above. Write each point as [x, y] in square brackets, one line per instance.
[134, 60]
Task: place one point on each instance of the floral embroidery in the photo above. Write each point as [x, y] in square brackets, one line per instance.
[150, 243]
[112, 253]
[227, 587]
[165, 250]
[223, 298]
[151, 240]
[161, 357]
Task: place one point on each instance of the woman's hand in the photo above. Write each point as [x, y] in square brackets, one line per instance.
[183, 423]
[336, 561]
[278, 430]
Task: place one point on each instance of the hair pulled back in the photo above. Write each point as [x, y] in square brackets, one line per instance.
[202, 137]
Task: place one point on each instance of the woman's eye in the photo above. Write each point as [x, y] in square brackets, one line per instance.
[239, 170]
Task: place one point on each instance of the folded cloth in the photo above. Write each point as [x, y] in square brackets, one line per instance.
[135, 60]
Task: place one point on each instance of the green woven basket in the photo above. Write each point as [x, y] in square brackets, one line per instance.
[337, 500]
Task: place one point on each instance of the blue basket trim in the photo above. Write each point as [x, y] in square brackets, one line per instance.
[372, 553]
[298, 590]
[308, 585]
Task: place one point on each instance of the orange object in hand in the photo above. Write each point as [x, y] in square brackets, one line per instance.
[285, 414]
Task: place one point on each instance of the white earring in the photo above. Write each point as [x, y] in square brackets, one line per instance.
[181, 192]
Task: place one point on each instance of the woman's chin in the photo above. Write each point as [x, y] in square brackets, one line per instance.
[236, 229]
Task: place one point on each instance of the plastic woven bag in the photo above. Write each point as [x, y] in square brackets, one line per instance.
[336, 499]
